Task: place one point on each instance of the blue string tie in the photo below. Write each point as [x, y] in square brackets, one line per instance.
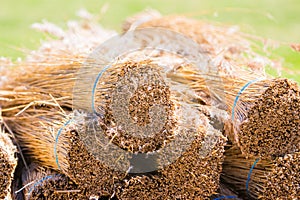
[56, 141]
[225, 197]
[39, 182]
[240, 93]
[94, 88]
[249, 175]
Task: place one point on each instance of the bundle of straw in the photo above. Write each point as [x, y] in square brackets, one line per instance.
[262, 179]
[47, 135]
[137, 105]
[8, 162]
[195, 175]
[42, 183]
[264, 112]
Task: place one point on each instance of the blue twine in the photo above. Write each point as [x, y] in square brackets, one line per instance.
[249, 175]
[225, 197]
[39, 182]
[95, 85]
[239, 94]
[56, 141]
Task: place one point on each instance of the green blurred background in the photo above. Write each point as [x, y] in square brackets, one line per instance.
[274, 19]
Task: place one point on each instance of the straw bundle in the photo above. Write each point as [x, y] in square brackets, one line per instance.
[8, 162]
[264, 112]
[262, 179]
[42, 183]
[195, 175]
[137, 106]
[47, 135]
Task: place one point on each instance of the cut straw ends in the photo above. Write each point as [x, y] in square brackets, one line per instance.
[8, 162]
[43, 183]
[272, 127]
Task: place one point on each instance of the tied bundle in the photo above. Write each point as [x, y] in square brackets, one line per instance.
[227, 45]
[49, 137]
[263, 111]
[262, 178]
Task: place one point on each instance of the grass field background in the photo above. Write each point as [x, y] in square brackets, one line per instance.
[274, 19]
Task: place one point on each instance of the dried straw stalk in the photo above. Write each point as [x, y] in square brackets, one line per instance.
[269, 179]
[8, 162]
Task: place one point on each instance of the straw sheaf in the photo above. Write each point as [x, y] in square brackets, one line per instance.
[192, 176]
[263, 111]
[262, 179]
[48, 136]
